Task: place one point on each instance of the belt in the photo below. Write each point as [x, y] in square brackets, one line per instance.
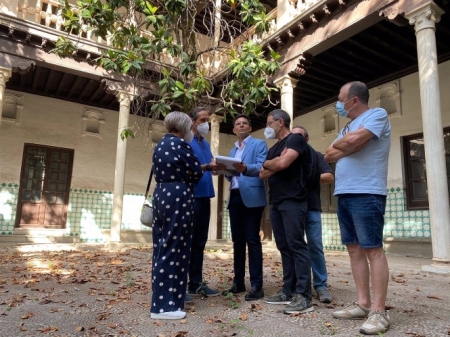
[234, 190]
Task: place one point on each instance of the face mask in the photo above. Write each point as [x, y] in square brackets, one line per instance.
[203, 128]
[269, 133]
[340, 108]
[189, 136]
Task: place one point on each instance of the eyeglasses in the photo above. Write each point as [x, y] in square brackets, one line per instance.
[270, 123]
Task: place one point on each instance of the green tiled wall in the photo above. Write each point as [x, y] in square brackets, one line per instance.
[226, 231]
[8, 206]
[399, 222]
[89, 212]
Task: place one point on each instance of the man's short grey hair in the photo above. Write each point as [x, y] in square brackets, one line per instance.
[177, 121]
[358, 89]
[281, 114]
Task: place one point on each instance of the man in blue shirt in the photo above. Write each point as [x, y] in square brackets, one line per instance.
[203, 192]
[362, 151]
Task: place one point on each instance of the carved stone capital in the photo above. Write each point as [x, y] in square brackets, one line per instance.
[286, 84]
[215, 120]
[425, 17]
[391, 12]
[5, 74]
[113, 87]
[124, 98]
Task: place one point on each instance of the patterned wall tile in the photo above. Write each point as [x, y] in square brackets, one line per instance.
[90, 212]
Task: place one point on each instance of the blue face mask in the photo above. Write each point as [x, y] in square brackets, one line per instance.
[340, 108]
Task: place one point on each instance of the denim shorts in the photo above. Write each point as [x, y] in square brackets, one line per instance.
[361, 219]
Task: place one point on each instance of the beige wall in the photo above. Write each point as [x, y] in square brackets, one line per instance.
[52, 122]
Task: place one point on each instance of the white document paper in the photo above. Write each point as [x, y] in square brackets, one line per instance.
[228, 162]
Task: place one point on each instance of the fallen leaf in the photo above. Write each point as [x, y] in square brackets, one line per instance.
[434, 297]
[30, 314]
[255, 306]
[112, 325]
[179, 334]
[183, 321]
[243, 317]
[80, 328]
[414, 334]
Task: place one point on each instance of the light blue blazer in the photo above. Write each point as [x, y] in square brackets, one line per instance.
[251, 188]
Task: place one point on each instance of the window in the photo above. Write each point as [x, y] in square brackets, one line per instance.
[327, 199]
[415, 169]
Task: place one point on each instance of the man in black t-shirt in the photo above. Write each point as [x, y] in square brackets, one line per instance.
[288, 207]
[313, 227]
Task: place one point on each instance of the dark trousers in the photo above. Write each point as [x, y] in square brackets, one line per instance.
[288, 224]
[202, 212]
[245, 225]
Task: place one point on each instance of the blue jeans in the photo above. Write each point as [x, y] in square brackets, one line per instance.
[313, 231]
[361, 219]
[288, 226]
[245, 223]
[202, 212]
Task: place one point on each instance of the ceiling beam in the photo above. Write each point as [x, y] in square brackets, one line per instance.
[391, 47]
[22, 80]
[37, 73]
[85, 90]
[372, 51]
[49, 80]
[60, 85]
[95, 94]
[74, 86]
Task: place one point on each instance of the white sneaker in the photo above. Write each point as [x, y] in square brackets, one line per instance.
[169, 315]
[376, 323]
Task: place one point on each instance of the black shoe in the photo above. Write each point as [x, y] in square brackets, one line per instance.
[254, 294]
[234, 289]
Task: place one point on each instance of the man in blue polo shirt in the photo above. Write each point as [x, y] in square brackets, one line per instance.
[203, 192]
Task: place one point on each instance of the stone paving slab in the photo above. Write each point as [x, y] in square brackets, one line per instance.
[102, 292]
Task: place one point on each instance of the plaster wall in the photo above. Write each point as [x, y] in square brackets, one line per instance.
[58, 123]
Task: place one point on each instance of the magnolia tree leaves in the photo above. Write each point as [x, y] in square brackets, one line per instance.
[139, 31]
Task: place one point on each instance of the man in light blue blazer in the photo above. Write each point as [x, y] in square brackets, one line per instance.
[246, 204]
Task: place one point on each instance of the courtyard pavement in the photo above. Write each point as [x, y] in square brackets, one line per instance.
[91, 290]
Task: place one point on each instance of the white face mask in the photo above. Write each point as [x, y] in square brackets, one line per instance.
[203, 128]
[189, 136]
[269, 133]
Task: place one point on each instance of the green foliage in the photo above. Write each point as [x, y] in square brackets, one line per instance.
[139, 31]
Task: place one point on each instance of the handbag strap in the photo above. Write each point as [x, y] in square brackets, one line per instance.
[148, 184]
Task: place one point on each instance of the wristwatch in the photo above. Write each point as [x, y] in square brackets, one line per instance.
[208, 167]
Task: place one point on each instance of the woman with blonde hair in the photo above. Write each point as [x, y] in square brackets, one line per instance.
[176, 169]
